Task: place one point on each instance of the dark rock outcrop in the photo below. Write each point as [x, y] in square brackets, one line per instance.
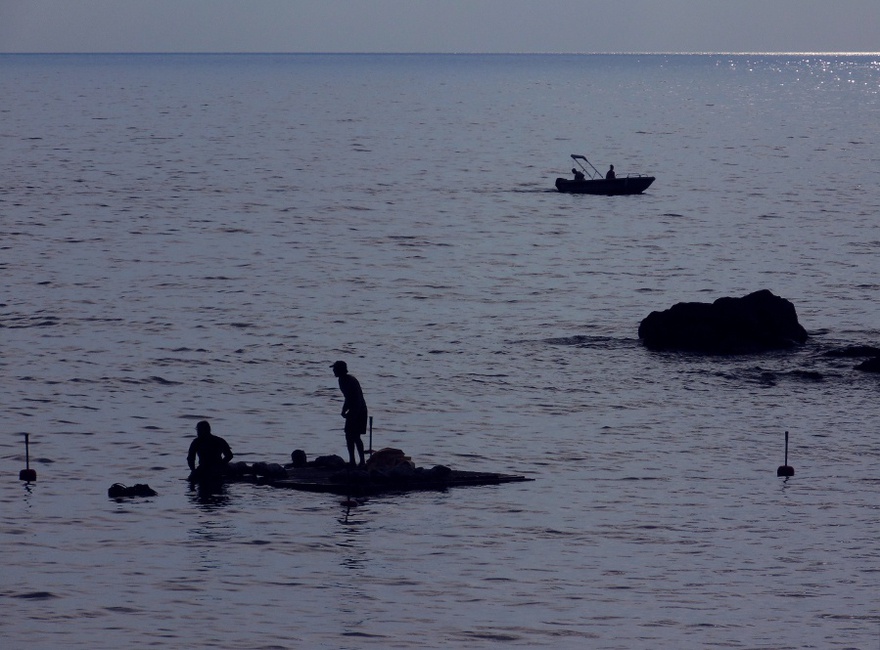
[757, 322]
[270, 471]
[329, 462]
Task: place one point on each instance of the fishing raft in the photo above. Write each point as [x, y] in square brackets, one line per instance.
[388, 471]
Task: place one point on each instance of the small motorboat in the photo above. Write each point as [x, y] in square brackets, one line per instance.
[597, 184]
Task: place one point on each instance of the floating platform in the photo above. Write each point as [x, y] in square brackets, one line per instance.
[389, 471]
[370, 483]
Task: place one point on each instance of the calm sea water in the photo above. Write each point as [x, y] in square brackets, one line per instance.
[188, 237]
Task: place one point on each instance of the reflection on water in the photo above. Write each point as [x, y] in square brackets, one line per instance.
[209, 495]
[352, 539]
[28, 490]
[213, 532]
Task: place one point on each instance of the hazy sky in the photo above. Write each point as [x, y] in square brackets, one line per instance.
[439, 26]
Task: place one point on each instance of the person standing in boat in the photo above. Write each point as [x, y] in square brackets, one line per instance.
[610, 176]
[213, 452]
[354, 410]
[578, 175]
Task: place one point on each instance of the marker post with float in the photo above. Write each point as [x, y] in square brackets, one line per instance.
[786, 469]
[27, 474]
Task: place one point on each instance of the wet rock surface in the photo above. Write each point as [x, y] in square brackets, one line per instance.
[758, 322]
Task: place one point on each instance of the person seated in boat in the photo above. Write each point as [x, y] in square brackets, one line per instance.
[610, 176]
[213, 452]
[578, 175]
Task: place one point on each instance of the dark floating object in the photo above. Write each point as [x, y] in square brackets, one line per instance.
[370, 483]
[870, 365]
[757, 322]
[387, 471]
[27, 474]
[630, 184]
[785, 470]
[120, 491]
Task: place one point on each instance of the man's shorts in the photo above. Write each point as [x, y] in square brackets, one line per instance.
[355, 424]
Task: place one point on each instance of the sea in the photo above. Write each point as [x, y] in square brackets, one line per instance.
[188, 237]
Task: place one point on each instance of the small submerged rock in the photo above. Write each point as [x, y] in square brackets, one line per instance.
[854, 352]
[871, 365]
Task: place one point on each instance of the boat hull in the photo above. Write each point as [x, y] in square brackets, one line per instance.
[617, 186]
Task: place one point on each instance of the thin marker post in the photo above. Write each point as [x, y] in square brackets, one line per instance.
[27, 474]
[785, 470]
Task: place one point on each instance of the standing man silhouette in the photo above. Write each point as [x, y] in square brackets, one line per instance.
[354, 410]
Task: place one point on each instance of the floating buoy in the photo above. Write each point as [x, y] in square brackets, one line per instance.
[785, 470]
[27, 474]
[349, 503]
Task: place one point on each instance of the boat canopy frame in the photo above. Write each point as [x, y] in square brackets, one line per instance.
[578, 158]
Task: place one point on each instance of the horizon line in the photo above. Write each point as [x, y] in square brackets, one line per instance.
[392, 53]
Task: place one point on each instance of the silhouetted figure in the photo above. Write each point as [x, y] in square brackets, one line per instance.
[354, 410]
[578, 175]
[213, 452]
[610, 176]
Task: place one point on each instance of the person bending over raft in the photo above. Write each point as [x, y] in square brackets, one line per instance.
[354, 410]
[213, 452]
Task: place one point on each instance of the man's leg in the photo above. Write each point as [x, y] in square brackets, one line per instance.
[349, 442]
[360, 448]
